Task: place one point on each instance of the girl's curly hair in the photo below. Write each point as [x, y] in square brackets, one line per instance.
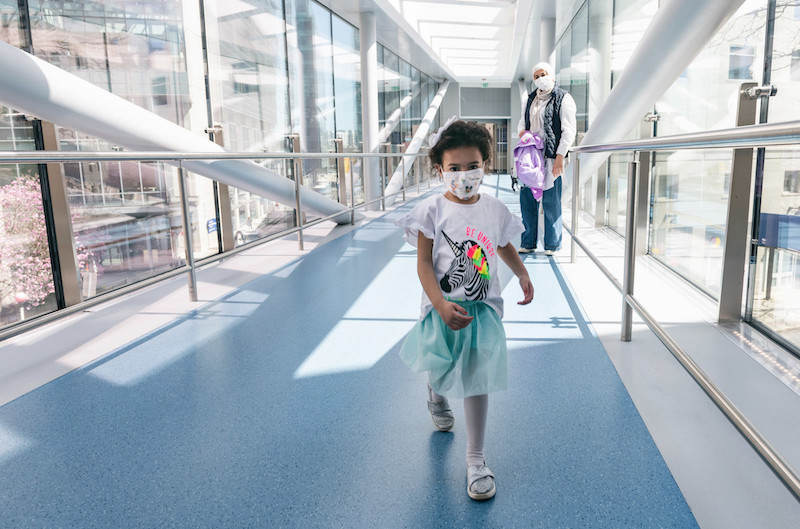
[462, 134]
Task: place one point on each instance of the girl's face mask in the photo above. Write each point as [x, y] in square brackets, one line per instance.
[463, 184]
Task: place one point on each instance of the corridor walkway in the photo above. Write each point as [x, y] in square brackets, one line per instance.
[284, 404]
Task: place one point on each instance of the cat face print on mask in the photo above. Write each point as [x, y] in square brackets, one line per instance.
[463, 184]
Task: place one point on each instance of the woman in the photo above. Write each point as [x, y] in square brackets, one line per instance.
[550, 113]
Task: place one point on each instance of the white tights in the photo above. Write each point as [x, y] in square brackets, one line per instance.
[476, 411]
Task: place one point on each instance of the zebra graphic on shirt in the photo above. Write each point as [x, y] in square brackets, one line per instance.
[469, 268]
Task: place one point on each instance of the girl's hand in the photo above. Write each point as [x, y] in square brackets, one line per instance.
[527, 289]
[454, 316]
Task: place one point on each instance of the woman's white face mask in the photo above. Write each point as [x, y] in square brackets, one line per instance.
[545, 83]
[463, 184]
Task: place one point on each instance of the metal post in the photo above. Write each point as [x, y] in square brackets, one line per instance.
[64, 235]
[601, 200]
[643, 202]
[225, 225]
[403, 161]
[737, 229]
[630, 249]
[770, 272]
[298, 177]
[643, 188]
[417, 173]
[341, 182]
[187, 232]
[353, 194]
[576, 186]
[383, 183]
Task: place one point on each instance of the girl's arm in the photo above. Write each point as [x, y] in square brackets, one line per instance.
[453, 315]
[510, 257]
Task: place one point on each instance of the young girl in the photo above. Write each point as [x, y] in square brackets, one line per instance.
[460, 339]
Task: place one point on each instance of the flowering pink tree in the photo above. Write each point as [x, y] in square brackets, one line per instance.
[25, 272]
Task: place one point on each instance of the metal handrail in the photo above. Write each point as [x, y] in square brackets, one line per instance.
[762, 135]
[159, 156]
[177, 158]
[750, 136]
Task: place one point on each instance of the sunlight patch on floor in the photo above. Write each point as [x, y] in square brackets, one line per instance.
[353, 345]
[142, 362]
[380, 317]
[11, 443]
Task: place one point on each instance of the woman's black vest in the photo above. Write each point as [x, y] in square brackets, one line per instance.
[552, 120]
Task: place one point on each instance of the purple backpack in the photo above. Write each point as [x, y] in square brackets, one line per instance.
[529, 161]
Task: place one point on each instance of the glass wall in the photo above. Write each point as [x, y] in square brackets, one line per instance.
[402, 85]
[310, 48]
[629, 22]
[347, 84]
[126, 216]
[250, 100]
[26, 275]
[689, 189]
[253, 71]
[775, 288]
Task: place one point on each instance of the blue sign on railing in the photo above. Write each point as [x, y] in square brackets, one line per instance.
[779, 231]
[211, 225]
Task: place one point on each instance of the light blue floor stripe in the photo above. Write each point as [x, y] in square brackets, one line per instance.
[284, 404]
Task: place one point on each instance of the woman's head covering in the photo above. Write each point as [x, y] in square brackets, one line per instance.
[542, 66]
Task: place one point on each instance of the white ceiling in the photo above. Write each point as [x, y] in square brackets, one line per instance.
[471, 42]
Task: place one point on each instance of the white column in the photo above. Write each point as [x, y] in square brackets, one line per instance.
[369, 106]
[547, 41]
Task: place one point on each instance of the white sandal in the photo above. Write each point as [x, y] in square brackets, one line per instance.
[478, 487]
[441, 414]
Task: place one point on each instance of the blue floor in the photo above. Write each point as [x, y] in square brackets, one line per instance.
[285, 405]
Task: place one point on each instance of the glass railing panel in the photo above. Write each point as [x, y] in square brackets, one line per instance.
[689, 210]
[776, 297]
[776, 288]
[617, 191]
[126, 221]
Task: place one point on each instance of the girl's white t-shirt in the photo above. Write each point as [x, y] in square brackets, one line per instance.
[465, 242]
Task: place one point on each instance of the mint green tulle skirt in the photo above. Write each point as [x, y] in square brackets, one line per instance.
[465, 363]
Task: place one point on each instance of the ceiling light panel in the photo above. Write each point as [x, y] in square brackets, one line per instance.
[438, 43]
[420, 12]
[449, 53]
[441, 29]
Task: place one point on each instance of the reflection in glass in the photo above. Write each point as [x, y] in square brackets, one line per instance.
[310, 47]
[125, 215]
[9, 23]
[249, 94]
[347, 84]
[26, 275]
[776, 292]
[579, 66]
[690, 197]
[776, 297]
[126, 221]
[785, 74]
